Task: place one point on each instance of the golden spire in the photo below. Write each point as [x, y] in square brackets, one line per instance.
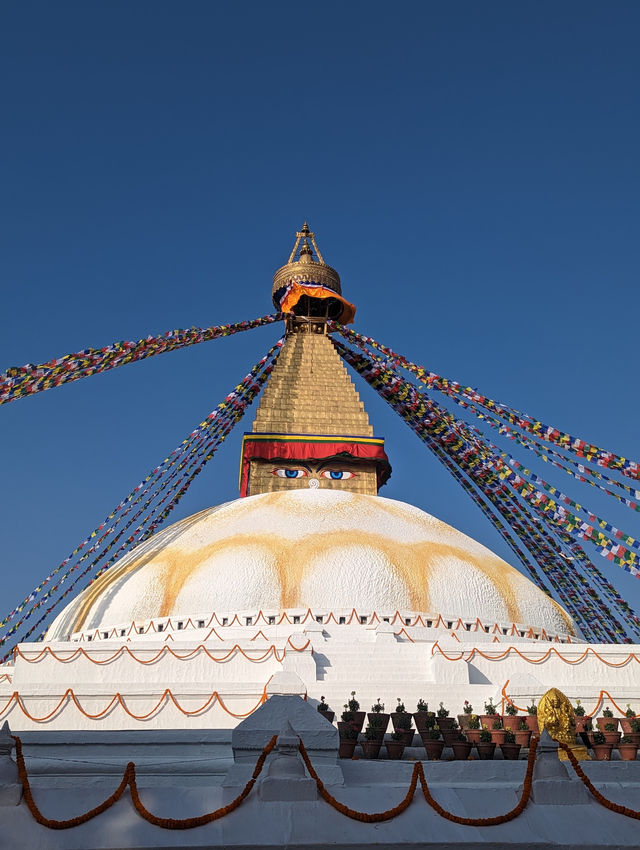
[311, 429]
[307, 286]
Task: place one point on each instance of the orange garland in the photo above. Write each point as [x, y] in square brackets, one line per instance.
[614, 807]
[418, 619]
[118, 700]
[129, 779]
[166, 650]
[599, 702]
[417, 774]
[500, 656]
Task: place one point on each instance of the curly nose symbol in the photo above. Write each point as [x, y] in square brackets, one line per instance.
[314, 483]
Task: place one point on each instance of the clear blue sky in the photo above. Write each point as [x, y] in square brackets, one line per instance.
[471, 169]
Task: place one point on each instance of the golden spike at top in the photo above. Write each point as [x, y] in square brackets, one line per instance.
[305, 234]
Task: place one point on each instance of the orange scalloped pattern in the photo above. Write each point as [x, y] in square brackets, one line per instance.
[601, 696]
[166, 698]
[166, 650]
[500, 656]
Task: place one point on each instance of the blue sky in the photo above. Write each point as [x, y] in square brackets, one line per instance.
[470, 169]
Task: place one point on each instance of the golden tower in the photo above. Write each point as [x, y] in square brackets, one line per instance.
[311, 429]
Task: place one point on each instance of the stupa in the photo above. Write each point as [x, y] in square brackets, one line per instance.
[310, 583]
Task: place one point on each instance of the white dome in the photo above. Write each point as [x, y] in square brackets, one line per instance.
[320, 549]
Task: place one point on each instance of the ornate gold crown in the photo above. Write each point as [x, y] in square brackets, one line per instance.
[305, 269]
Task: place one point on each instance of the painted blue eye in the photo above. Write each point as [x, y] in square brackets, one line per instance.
[337, 474]
[283, 472]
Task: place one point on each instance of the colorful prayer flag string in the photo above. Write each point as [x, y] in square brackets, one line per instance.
[538, 429]
[476, 458]
[21, 381]
[189, 460]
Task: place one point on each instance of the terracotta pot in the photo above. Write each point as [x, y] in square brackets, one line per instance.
[407, 736]
[376, 718]
[344, 726]
[473, 735]
[370, 749]
[628, 752]
[433, 749]
[420, 719]
[580, 722]
[602, 752]
[510, 751]
[523, 737]
[461, 750]
[485, 749]
[612, 738]
[399, 714]
[497, 735]
[532, 722]
[488, 719]
[602, 720]
[346, 748]
[328, 715]
[625, 725]
[635, 737]
[394, 749]
[463, 721]
[449, 736]
[358, 719]
[444, 722]
[510, 722]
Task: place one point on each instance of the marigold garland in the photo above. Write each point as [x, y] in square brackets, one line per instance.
[129, 779]
[117, 699]
[614, 807]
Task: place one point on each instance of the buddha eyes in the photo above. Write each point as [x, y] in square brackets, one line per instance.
[332, 474]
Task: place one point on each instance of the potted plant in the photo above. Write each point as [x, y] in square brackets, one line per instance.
[325, 710]
[490, 713]
[354, 706]
[611, 734]
[400, 709]
[473, 729]
[348, 740]
[395, 747]
[607, 717]
[371, 744]
[432, 743]
[485, 746]
[461, 747]
[635, 730]
[467, 711]
[581, 718]
[402, 724]
[601, 750]
[378, 718]
[498, 732]
[523, 733]
[625, 722]
[509, 719]
[532, 717]
[420, 715]
[429, 724]
[510, 749]
[347, 720]
[628, 749]
[444, 721]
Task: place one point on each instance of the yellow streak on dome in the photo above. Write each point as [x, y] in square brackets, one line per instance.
[413, 564]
